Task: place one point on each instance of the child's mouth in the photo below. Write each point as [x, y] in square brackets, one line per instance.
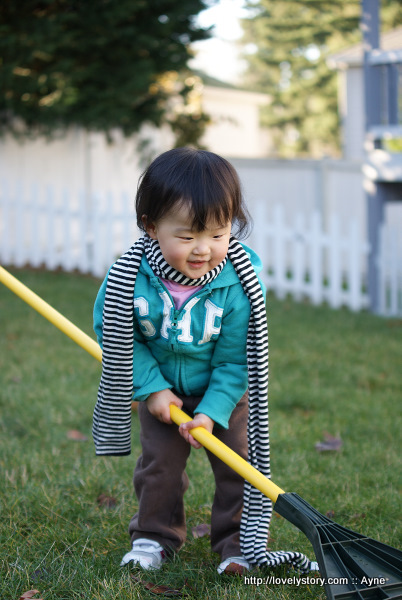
[196, 264]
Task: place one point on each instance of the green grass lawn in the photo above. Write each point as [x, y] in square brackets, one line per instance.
[330, 371]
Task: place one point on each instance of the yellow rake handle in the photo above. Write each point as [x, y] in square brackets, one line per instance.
[233, 460]
[209, 441]
[52, 315]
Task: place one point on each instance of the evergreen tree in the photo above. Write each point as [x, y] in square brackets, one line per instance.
[292, 42]
[99, 64]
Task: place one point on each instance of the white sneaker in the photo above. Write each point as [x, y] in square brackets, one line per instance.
[147, 554]
[234, 565]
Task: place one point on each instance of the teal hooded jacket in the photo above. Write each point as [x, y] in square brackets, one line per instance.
[197, 350]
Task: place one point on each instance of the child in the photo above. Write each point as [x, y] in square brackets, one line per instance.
[181, 319]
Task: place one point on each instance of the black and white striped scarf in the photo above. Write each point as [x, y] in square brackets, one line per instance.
[112, 415]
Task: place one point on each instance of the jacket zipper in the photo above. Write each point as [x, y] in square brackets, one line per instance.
[177, 312]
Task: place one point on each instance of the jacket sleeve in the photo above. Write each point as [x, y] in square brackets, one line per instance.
[229, 378]
[147, 377]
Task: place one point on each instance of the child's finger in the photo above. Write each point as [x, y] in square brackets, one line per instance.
[178, 402]
[187, 435]
[185, 431]
[165, 418]
[194, 442]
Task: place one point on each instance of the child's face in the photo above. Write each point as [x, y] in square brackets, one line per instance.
[191, 252]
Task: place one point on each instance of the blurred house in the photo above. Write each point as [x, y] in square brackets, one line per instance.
[349, 64]
[370, 91]
[82, 160]
[235, 113]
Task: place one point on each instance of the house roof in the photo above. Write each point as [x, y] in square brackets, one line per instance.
[217, 85]
[353, 56]
[213, 81]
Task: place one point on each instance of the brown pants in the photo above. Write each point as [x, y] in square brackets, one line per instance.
[160, 482]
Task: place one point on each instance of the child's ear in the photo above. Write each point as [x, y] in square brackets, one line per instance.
[149, 227]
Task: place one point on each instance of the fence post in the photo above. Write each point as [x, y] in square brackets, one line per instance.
[260, 239]
[109, 222]
[5, 226]
[19, 254]
[50, 259]
[335, 270]
[98, 242]
[354, 266]
[316, 258]
[279, 251]
[67, 254]
[34, 224]
[299, 251]
[83, 261]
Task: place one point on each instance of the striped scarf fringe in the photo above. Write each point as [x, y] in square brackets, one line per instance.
[112, 414]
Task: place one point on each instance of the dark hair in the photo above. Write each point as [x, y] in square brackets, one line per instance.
[205, 180]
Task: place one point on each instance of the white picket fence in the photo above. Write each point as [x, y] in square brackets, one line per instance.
[307, 261]
[57, 229]
[304, 258]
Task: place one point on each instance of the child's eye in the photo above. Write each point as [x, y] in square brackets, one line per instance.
[188, 239]
[217, 237]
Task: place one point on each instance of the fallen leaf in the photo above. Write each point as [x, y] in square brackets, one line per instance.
[358, 516]
[201, 530]
[76, 436]
[394, 323]
[163, 590]
[30, 594]
[106, 501]
[330, 443]
[39, 574]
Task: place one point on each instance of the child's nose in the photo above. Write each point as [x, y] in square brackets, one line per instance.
[201, 248]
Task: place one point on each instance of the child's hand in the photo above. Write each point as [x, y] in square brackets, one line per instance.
[158, 405]
[200, 420]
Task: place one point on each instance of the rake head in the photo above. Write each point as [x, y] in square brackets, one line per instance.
[353, 566]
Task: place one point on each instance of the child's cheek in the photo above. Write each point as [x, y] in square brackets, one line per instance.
[174, 255]
[178, 253]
